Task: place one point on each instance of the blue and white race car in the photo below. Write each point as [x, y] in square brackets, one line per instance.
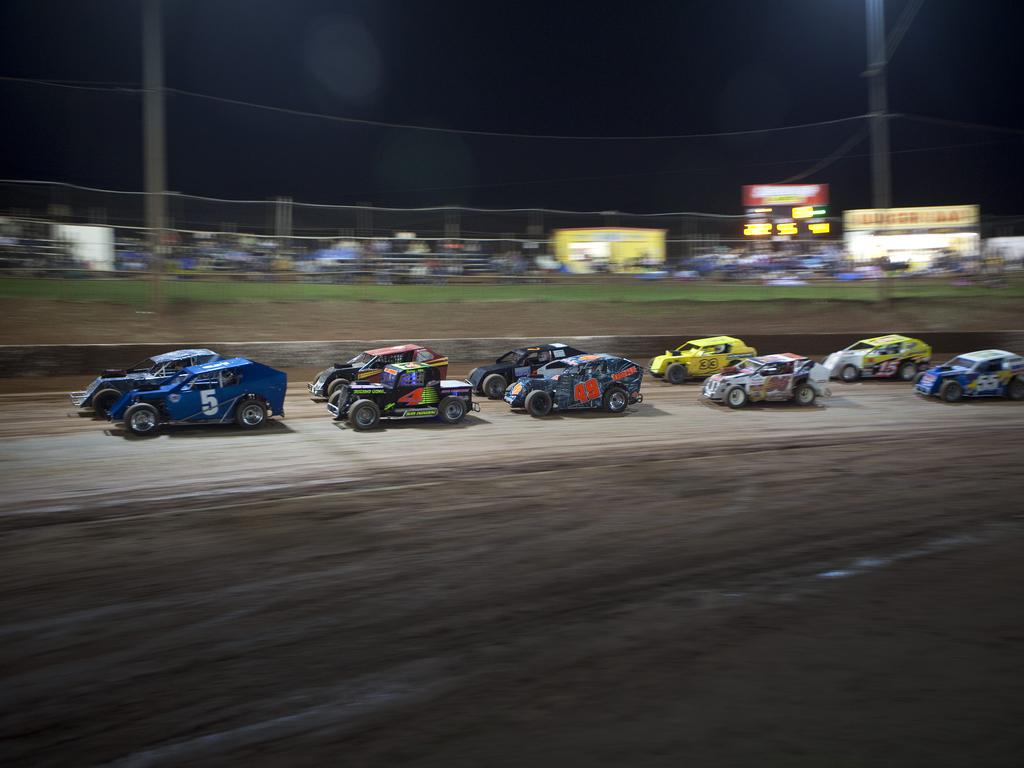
[987, 373]
[578, 382]
[107, 388]
[235, 391]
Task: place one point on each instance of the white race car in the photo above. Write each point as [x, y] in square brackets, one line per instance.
[769, 377]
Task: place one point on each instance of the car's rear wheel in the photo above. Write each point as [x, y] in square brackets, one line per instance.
[104, 400]
[452, 409]
[849, 373]
[951, 391]
[675, 373]
[494, 386]
[339, 398]
[907, 371]
[615, 400]
[805, 394]
[736, 397]
[538, 403]
[335, 385]
[250, 413]
[1015, 389]
[142, 419]
[364, 414]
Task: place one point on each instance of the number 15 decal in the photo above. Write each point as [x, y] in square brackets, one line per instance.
[209, 401]
[587, 390]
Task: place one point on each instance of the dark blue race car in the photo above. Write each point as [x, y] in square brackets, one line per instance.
[988, 373]
[235, 391]
[581, 382]
[109, 386]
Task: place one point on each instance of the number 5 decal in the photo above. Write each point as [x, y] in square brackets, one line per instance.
[209, 401]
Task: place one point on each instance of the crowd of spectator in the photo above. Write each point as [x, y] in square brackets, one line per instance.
[30, 248]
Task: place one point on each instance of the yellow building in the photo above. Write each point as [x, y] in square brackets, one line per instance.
[610, 249]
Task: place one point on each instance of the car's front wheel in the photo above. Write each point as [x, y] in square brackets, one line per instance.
[736, 397]
[494, 386]
[142, 419]
[951, 391]
[104, 400]
[615, 400]
[452, 409]
[918, 377]
[538, 403]
[250, 413]
[849, 373]
[335, 385]
[364, 414]
[805, 395]
[675, 373]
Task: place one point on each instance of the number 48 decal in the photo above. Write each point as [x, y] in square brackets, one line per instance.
[587, 390]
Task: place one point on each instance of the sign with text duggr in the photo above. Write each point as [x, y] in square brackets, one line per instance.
[933, 217]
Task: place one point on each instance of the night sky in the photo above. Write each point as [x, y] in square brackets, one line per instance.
[524, 67]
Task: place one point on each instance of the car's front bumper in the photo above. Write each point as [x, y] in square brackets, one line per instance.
[713, 390]
[78, 398]
[928, 385]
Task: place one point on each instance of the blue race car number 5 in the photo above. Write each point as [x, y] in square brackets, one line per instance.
[209, 401]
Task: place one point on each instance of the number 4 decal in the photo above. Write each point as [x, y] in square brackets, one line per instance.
[587, 390]
[209, 401]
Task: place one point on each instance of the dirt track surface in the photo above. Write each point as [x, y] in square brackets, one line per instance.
[682, 584]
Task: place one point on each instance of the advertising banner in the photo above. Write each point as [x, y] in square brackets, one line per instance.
[894, 219]
[776, 195]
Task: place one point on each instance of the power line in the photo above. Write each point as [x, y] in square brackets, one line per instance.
[638, 174]
[75, 85]
[824, 162]
[960, 123]
[504, 134]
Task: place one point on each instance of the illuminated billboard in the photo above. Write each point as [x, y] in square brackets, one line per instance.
[932, 217]
[777, 195]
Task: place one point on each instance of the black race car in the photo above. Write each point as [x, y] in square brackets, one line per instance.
[109, 386]
[405, 391]
[367, 367]
[584, 381]
[493, 380]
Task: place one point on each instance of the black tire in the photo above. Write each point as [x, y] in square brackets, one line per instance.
[538, 403]
[104, 400]
[736, 397]
[615, 400]
[452, 409]
[364, 414]
[907, 371]
[918, 377]
[951, 391]
[849, 373]
[494, 386]
[675, 373]
[1015, 389]
[250, 413]
[336, 399]
[804, 394]
[142, 419]
[333, 386]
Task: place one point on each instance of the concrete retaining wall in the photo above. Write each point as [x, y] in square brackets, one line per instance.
[56, 359]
